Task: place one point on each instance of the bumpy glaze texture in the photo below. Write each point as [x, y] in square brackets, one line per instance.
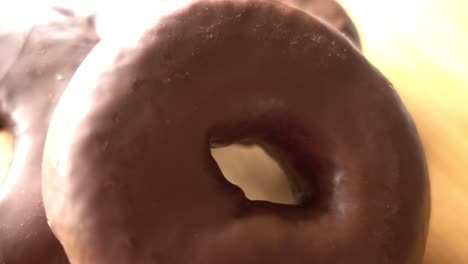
[330, 12]
[38, 59]
[128, 176]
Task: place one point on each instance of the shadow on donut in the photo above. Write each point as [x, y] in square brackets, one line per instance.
[6, 149]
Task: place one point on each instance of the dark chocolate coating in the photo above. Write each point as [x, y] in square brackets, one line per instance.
[37, 63]
[330, 12]
[128, 176]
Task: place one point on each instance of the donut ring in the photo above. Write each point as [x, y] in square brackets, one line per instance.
[39, 60]
[128, 176]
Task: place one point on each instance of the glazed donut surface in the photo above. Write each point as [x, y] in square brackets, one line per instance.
[332, 13]
[128, 176]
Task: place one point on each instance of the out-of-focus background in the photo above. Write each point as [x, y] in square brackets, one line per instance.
[422, 47]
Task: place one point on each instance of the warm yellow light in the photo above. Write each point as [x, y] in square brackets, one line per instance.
[6, 148]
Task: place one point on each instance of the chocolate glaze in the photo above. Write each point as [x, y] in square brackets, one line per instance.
[330, 12]
[128, 176]
[38, 60]
[36, 63]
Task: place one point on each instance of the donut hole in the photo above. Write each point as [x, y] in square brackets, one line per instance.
[6, 151]
[259, 175]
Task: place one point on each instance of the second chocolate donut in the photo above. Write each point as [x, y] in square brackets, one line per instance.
[39, 57]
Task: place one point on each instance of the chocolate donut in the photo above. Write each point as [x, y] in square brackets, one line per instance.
[128, 176]
[38, 59]
[36, 64]
[330, 12]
